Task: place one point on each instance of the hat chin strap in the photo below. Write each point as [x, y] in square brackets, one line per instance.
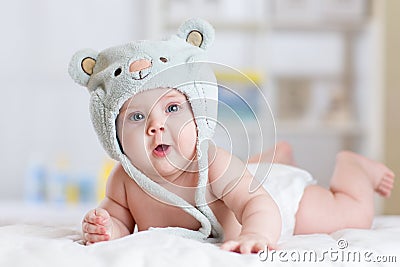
[200, 198]
[210, 230]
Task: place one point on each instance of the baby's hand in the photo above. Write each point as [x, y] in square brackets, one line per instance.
[96, 226]
[247, 243]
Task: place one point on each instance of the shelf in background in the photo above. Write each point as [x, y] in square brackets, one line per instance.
[319, 128]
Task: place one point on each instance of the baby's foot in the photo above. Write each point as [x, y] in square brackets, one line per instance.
[96, 226]
[284, 154]
[381, 176]
[384, 188]
[281, 154]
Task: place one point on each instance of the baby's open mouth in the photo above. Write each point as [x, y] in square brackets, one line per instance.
[161, 150]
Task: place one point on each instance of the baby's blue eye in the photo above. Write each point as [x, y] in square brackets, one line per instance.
[173, 108]
[136, 116]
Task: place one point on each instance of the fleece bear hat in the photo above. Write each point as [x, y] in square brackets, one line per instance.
[115, 74]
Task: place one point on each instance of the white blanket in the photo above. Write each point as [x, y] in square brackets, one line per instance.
[31, 237]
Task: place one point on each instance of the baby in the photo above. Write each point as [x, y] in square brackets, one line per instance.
[171, 177]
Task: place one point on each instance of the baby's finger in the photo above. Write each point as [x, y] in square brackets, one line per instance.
[97, 216]
[272, 247]
[230, 246]
[102, 213]
[93, 238]
[258, 246]
[90, 217]
[93, 228]
[249, 247]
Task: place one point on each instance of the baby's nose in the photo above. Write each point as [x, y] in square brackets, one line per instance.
[154, 128]
[139, 65]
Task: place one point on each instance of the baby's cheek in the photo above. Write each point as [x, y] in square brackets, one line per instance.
[134, 148]
[187, 139]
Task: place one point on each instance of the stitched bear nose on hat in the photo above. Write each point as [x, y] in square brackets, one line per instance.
[141, 67]
[115, 74]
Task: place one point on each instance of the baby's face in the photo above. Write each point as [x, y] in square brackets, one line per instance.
[158, 133]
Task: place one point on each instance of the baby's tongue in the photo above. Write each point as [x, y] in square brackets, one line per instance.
[160, 148]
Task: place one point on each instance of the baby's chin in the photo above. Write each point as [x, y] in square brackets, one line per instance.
[165, 169]
[161, 172]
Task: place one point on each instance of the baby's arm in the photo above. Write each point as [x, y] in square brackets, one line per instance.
[257, 212]
[112, 219]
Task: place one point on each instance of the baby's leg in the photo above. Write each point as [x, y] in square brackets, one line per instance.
[350, 201]
[283, 154]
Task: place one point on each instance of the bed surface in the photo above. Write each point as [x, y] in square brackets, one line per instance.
[50, 236]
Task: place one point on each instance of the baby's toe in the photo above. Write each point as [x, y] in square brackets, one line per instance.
[385, 189]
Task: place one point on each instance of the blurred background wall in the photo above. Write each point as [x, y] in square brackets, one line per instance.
[389, 14]
[329, 69]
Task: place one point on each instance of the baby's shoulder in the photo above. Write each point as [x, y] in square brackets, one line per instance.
[223, 163]
[217, 158]
[225, 171]
[118, 175]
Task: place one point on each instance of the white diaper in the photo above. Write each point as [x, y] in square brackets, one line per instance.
[286, 186]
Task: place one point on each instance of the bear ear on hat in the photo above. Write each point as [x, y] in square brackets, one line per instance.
[197, 32]
[81, 65]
